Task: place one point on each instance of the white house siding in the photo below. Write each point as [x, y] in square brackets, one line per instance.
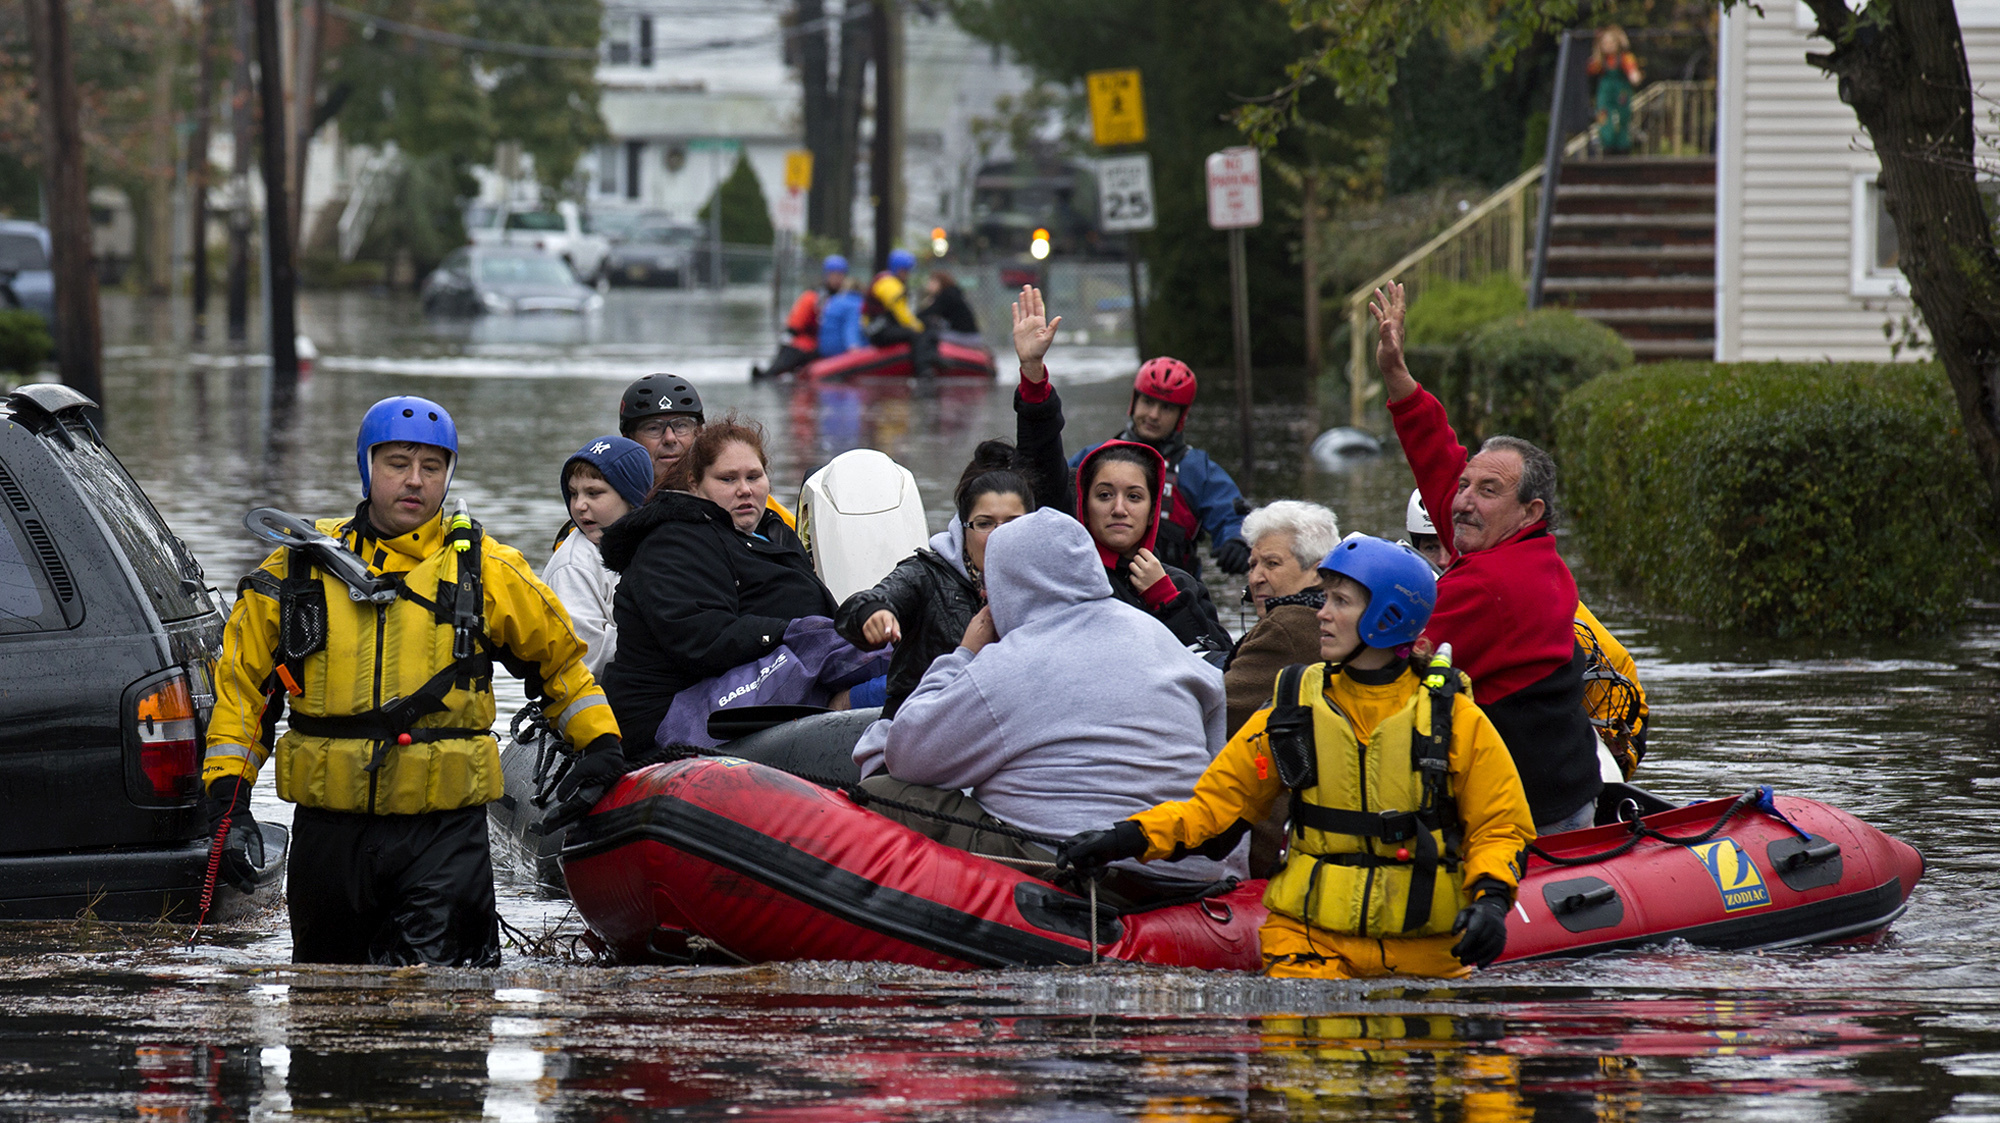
[1787, 205]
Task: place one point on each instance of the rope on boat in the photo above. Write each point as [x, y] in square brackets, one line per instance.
[1641, 832]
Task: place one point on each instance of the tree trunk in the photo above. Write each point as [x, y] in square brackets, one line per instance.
[204, 111]
[78, 335]
[237, 285]
[279, 283]
[160, 178]
[847, 124]
[1902, 67]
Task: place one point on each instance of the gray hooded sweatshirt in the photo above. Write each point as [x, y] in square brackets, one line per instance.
[1085, 711]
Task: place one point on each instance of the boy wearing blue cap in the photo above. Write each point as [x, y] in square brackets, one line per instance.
[607, 477]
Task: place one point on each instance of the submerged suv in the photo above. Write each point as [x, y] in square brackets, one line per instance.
[108, 633]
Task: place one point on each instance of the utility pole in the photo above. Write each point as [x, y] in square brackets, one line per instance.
[279, 282]
[204, 110]
[160, 179]
[885, 178]
[79, 335]
[854, 50]
[305, 92]
[1309, 266]
[238, 283]
[809, 25]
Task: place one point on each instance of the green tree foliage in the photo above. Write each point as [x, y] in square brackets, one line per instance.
[1196, 70]
[1457, 117]
[446, 108]
[1445, 313]
[746, 217]
[1752, 495]
[1509, 375]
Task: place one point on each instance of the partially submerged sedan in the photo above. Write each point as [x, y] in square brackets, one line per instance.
[505, 280]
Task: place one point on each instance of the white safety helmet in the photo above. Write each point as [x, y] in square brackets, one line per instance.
[1417, 520]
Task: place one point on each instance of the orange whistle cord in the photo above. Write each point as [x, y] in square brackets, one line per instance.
[292, 686]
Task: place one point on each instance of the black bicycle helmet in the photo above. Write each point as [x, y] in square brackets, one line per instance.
[654, 395]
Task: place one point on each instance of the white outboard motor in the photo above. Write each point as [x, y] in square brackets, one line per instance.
[858, 517]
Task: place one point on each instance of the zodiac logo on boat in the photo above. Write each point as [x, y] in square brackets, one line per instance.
[1736, 876]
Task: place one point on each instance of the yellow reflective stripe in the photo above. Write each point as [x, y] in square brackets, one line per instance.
[253, 757]
[581, 704]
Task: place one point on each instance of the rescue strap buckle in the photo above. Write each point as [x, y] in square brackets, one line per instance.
[1385, 826]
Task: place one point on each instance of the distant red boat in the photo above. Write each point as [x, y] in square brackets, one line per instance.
[955, 360]
[720, 852]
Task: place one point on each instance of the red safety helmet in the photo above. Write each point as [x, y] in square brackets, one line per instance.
[1168, 380]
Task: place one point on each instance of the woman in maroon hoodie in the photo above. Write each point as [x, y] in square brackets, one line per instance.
[1118, 490]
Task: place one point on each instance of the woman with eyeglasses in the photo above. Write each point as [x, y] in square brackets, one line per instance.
[926, 603]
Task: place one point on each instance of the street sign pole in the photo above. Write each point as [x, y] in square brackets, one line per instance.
[1125, 206]
[1138, 316]
[1239, 300]
[1235, 203]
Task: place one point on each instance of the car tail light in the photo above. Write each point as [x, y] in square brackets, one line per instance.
[163, 740]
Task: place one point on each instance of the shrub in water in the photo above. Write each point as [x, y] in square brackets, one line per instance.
[1445, 313]
[24, 340]
[1789, 499]
[1510, 375]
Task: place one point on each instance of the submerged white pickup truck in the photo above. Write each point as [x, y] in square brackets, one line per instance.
[559, 231]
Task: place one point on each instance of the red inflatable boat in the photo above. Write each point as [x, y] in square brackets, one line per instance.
[723, 853]
[1748, 872]
[955, 360]
[767, 866]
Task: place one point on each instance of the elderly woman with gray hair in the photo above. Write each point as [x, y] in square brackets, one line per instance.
[1288, 539]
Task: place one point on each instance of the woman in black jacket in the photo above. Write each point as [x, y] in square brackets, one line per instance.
[925, 603]
[710, 577]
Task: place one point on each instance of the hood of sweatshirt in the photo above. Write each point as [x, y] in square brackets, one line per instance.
[621, 539]
[1109, 558]
[949, 544]
[1041, 564]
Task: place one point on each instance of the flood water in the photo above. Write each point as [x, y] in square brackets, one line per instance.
[99, 1022]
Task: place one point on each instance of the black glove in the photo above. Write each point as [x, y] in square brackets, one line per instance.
[585, 783]
[1233, 556]
[1484, 923]
[243, 848]
[1089, 852]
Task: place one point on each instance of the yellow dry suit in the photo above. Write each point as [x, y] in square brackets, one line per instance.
[1346, 905]
[1376, 841]
[392, 703]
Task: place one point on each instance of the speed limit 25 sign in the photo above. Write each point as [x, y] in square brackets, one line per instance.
[1125, 193]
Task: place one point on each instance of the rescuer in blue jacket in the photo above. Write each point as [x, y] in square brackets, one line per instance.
[1200, 495]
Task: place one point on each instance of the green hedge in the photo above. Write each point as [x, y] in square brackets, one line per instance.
[1445, 313]
[24, 340]
[1788, 499]
[1510, 375]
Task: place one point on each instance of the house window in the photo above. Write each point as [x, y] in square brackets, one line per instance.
[609, 160]
[618, 40]
[645, 40]
[1876, 255]
[633, 151]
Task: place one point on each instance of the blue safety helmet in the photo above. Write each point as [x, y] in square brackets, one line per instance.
[412, 419]
[900, 260]
[834, 263]
[1401, 589]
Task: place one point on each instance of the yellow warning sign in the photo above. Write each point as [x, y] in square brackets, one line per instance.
[1117, 108]
[799, 169]
[1736, 876]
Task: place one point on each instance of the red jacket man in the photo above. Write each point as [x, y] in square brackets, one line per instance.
[1506, 601]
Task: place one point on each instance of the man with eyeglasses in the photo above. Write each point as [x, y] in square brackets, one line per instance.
[663, 412]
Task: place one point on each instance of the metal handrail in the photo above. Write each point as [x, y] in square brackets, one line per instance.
[1689, 115]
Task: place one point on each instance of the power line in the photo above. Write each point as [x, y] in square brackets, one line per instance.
[371, 23]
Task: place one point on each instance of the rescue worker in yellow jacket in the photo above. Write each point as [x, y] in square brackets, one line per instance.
[1409, 823]
[1612, 694]
[888, 320]
[383, 644]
